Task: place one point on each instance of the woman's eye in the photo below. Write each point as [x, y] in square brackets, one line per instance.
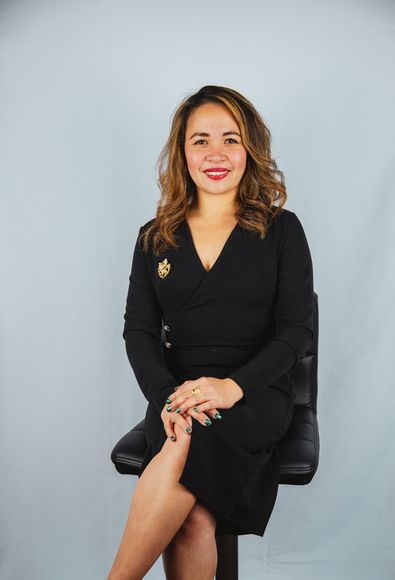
[200, 140]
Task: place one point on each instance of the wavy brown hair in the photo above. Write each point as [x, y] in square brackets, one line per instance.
[261, 186]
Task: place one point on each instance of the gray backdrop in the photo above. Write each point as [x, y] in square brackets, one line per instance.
[87, 93]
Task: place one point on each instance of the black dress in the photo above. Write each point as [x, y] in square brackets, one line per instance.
[249, 318]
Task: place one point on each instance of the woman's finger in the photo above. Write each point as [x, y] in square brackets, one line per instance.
[204, 408]
[184, 403]
[186, 400]
[182, 422]
[168, 426]
[176, 417]
[202, 417]
[171, 433]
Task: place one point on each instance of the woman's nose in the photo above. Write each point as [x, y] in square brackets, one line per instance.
[216, 153]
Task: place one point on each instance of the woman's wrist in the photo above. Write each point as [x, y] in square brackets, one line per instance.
[238, 391]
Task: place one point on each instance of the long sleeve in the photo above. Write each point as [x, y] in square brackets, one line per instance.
[142, 334]
[294, 304]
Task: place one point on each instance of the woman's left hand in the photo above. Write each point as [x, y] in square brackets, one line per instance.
[215, 394]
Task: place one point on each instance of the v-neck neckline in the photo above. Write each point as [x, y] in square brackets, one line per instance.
[195, 252]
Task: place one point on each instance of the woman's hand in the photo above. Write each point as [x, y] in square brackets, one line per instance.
[215, 393]
[171, 417]
[184, 419]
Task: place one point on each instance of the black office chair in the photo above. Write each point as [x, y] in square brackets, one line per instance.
[299, 447]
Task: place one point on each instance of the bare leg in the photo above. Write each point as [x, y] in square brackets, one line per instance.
[159, 507]
[192, 553]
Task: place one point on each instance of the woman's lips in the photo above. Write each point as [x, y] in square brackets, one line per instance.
[217, 174]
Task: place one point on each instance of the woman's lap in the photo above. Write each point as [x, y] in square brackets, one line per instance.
[259, 423]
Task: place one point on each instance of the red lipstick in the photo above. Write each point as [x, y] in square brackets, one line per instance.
[216, 172]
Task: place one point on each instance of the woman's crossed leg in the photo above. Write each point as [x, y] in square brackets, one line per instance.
[165, 517]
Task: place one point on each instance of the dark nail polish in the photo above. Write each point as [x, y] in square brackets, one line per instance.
[178, 410]
[188, 429]
[218, 415]
[168, 408]
[207, 421]
[172, 437]
[168, 401]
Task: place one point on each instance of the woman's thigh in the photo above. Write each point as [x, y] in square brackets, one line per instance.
[262, 421]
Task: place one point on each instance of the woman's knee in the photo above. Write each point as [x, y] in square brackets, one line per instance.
[199, 524]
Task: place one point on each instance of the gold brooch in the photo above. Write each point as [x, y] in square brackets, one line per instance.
[164, 268]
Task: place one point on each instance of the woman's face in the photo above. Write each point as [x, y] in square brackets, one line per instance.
[213, 141]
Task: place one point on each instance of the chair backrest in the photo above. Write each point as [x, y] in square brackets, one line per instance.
[304, 374]
[299, 447]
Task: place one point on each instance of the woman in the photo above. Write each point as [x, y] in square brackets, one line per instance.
[225, 276]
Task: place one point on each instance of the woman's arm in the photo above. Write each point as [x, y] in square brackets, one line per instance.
[294, 306]
[142, 334]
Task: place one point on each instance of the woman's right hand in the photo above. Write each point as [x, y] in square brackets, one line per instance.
[184, 420]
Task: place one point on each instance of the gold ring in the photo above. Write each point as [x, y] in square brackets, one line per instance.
[197, 391]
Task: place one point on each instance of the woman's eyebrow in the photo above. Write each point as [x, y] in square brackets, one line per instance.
[202, 134]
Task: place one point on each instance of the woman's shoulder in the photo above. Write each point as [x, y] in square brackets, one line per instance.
[291, 232]
[283, 215]
[145, 226]
[278, 222]
[286, 229]
[287, 220]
